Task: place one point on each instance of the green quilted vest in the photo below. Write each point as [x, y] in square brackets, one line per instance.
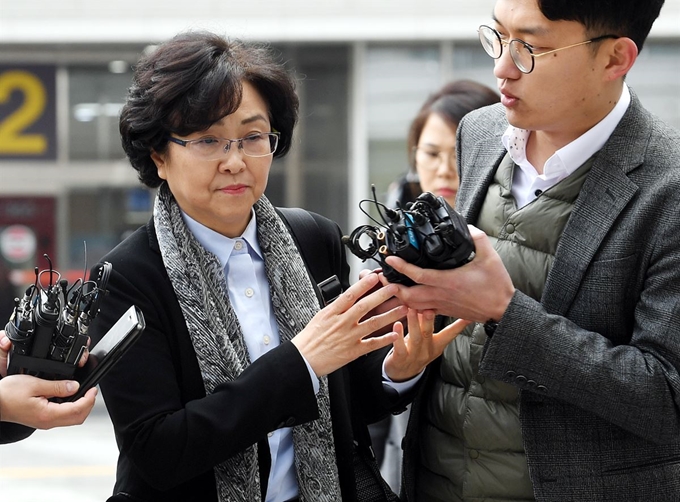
[471, 442]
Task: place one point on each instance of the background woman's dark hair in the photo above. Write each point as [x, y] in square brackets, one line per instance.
[190, 82]
[452, 102]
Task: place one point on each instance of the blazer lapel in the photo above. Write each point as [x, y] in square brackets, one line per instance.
[605, 193]
[487, 154]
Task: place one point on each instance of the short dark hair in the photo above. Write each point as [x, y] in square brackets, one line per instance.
[190, 82]
[625, 18]
[452, 102]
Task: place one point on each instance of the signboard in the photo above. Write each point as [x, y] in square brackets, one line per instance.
[27, 231]
[28, 121]
[18, 243]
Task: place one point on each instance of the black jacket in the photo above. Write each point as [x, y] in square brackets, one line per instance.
[170, 435]
[11, 432]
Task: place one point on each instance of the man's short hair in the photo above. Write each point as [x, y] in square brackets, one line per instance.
[625, 18]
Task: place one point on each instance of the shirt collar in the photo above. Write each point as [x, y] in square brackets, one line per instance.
[571, 156]
[220, 245]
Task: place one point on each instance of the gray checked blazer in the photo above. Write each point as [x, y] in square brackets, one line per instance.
[597, 360]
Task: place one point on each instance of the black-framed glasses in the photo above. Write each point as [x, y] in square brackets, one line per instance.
[210, 148]
[522, 53]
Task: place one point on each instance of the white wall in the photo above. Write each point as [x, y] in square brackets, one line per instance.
[85, 21]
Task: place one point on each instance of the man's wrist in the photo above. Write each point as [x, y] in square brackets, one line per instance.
[492, 323]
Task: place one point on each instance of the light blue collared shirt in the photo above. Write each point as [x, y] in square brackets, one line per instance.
[249, 296]
[564, 161]
[248, 289]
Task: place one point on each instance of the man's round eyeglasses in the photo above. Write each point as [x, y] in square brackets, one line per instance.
[522, 53]
[211, 148]
[430, 159]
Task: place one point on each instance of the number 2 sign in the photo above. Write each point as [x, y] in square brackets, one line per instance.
[27, 112]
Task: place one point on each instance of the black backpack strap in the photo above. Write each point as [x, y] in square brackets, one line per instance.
[314, 249]
[319, 252]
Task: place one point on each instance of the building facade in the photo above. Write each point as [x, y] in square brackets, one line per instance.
[363, 67]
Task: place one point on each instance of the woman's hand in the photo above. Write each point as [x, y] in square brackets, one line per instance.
[5, 347]
[412, 353]
[386, 306]
[341, 332]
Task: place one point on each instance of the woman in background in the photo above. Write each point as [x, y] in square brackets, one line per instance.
[432, 158]
[432, 141]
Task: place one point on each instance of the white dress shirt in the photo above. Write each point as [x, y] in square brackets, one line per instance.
[248, 288]
[527, 184]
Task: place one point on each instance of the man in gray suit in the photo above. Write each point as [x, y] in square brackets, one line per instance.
[573, 189]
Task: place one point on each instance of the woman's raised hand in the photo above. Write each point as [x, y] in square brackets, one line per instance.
[421, 346]
[341, 332]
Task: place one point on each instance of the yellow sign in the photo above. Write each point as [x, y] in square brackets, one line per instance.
[27, 112]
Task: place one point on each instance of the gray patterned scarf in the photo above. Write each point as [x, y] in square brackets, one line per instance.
[200, 285]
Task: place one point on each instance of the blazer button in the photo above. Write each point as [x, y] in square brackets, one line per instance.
[542, 388]
[521, 379]
[531, 384]
[509, 375]
[290, 422]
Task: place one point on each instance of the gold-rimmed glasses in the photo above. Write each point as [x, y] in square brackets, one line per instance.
[522, 53]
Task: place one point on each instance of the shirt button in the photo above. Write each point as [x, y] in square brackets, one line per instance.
[250, 292]
[238, 245]
[266, 339]
[270, 434]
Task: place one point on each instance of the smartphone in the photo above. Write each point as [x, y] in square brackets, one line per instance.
[109, 350]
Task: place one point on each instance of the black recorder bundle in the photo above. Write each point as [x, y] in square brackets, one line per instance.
[49, 326]
[427, 233]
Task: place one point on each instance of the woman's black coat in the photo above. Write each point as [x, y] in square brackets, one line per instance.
[170, 434]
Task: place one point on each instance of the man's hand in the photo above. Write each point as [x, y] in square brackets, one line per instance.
[411, 354]
[24, 399]
[479, 291]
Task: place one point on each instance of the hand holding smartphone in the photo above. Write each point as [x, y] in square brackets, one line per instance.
[109, 350]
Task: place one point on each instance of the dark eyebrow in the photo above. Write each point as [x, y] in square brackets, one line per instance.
[254, 118]
[247, 120]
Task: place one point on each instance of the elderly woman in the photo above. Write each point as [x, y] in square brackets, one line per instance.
[240, 388]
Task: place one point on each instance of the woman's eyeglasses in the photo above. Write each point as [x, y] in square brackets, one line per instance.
[211, 148]
[430, 159]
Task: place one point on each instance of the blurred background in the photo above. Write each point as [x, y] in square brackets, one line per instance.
[364, 67]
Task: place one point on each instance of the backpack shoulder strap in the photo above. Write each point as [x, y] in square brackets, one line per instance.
[314, 248]
[306, 234]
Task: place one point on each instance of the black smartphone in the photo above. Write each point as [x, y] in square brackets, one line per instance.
[109, 350]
